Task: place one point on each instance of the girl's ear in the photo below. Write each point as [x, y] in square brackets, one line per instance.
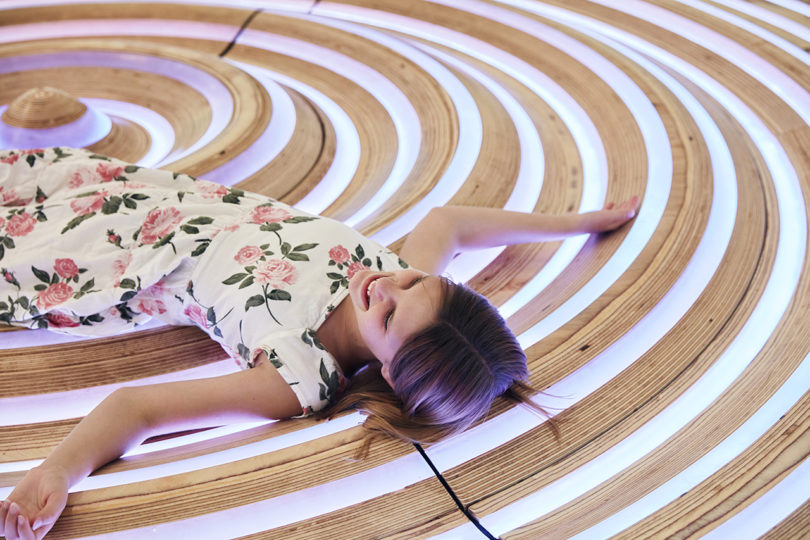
[386, 375]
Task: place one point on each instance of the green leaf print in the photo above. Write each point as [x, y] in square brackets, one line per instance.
[188, 229]
[270, 227]
[8, 242]
[129, 203]
[73, 223]
[278, 294]
[247, 283]
[199, 250]
[41, 275]
[60, 154]
[131, 169]
[98, 156]
[300, 219]
[127, 284]
[111, 205]
[236, 278]
[31, 159]
[297, 257]
[254, 301]
[89, 285]
[201, 221]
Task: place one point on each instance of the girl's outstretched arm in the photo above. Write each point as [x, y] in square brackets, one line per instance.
[448, 230]
[127, 417]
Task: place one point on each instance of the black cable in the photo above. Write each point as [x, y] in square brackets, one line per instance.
[464, 509]
[230, 45]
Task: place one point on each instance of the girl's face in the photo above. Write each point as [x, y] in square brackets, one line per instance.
[390, 307]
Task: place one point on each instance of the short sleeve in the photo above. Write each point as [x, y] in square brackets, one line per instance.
[312, 373]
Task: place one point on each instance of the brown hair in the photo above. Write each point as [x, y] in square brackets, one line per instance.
[445, 377]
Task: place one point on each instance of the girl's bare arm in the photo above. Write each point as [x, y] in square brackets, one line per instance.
[127, 417]
[448, 230]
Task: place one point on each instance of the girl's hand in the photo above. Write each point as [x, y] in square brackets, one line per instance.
[34, 505]
[612, 216]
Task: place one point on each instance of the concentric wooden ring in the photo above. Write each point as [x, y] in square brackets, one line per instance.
[673, 352]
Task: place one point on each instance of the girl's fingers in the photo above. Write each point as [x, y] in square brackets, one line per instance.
[11, 522]
[24, 529]
[3, 512]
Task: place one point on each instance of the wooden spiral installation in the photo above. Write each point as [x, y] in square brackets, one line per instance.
[674, 352]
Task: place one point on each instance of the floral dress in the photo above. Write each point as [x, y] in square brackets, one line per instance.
[93, 246]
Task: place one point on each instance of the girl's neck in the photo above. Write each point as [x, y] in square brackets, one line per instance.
[341, 338]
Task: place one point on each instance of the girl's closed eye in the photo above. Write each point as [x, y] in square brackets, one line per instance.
[387, 318]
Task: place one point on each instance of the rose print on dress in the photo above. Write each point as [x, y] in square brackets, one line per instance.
[20, 224]
[276, 273]
[268, 214]
[203, 316]
[56, 288]
[248, 255]
[159, 223]
[339, 256]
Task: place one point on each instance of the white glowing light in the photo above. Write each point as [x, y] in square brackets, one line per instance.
[389, 95]
[347, 148]
[656, 141]
[760, 13]
[788, 492]
[794, 5]
[754, 65]
[41, 337]
[76, 403]
[213, 459]
[771, 508]
[582, 129]
[272, 140]
[765, 317]
[159, 129]
[529, 181]
[217, 95]
[89, 128]
[291, 5]
[399, 108]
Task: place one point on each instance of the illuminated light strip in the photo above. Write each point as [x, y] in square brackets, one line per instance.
[787, 492]
[347, 147]
[771, 508]
[270, 143]
[592, 152]
[390, 96]
[159, 129]
[766, 15]
[406, 120]
[529, 181]
[213, 459]
[793, 5]
[296, 5]
[216, 93]
[753, 336]
[788, 90]
[174, 442]
[39, 337]
[75, 403]
[793, 50]
[88, 129]
[654, 135]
